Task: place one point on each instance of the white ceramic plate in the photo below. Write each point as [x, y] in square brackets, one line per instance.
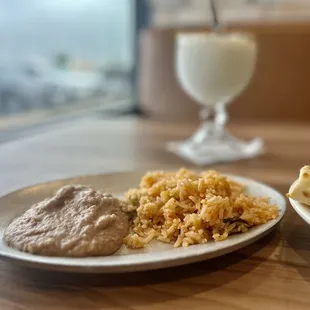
[302, 209]
[156, 255]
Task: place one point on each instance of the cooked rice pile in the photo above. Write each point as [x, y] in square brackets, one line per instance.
[188, 208]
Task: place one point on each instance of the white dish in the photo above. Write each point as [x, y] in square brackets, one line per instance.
[156, 255]
[302, 210]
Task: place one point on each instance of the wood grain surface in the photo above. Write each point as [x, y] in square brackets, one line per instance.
[273, 272]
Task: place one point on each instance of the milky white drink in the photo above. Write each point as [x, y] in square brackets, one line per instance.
[214, 67]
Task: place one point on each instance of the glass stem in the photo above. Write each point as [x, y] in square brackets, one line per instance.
[214, 119]
[220, 119]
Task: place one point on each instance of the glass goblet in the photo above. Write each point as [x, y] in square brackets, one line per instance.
[214, 68]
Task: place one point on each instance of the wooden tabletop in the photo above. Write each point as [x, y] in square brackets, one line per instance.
[273, 272]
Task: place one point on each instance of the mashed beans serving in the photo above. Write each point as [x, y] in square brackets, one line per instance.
[78, 222]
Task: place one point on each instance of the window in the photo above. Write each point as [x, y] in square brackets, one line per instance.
[62, 56]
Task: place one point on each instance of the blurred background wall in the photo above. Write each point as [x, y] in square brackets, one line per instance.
[280, 86]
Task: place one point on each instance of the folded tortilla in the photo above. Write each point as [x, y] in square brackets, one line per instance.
[300, 190]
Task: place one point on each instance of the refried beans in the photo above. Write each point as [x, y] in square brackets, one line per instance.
[77, 222]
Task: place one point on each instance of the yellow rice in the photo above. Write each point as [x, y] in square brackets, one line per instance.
[188, 208]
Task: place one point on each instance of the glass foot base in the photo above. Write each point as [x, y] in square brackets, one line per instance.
[215, 150]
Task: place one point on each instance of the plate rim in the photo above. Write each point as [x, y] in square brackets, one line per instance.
[299, 207]
[180, 259]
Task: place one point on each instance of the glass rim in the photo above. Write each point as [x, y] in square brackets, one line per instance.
[201, 34]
